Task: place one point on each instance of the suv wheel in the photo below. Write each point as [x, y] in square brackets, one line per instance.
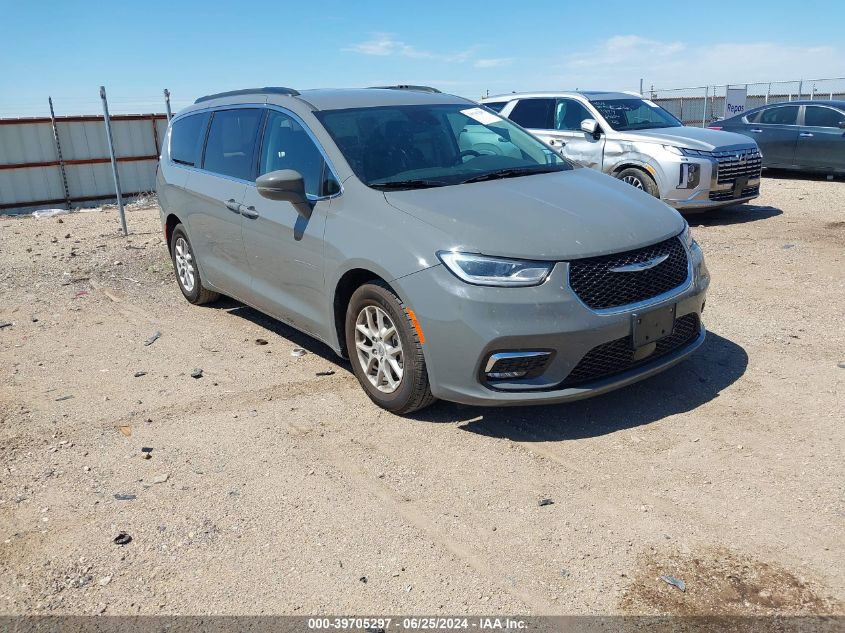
[639, 179]
[385, 350]
[187, 271]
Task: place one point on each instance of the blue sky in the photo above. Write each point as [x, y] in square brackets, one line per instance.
[68, 49]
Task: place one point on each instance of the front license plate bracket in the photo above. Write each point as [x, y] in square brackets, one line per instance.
[739, 185]
[651, 326]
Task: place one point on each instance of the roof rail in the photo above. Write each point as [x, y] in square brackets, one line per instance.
[271, 90]
[407, 87]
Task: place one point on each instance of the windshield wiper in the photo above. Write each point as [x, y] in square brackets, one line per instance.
[512, 172]
[409, 184]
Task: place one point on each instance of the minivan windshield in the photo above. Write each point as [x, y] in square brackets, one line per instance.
[419, 146]
[634, 114]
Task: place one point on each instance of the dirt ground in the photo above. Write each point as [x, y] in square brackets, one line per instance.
[272, 489]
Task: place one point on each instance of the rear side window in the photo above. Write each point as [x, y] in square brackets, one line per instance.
[535, 114]
[186, 137]
[818, 116]
[782, 115]
[496, 106]
[231, 142]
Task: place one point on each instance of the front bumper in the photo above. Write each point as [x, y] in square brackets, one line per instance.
[464, 324]
[712, 191]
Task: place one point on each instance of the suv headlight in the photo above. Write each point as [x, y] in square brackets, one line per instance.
[482, 270]
[686, 236]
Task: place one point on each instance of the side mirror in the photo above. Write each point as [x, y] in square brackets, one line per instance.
[287, 185]
[590, 126]
[842, 125]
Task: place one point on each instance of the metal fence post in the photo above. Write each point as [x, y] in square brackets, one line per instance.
[167, 104]
[768, 91]
[704, 114]
[113, 159]
[800, 89]
[59, 152]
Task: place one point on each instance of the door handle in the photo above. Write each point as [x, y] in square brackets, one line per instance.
[805, 134]
[756, 130]
[249, 212]
[233, 206]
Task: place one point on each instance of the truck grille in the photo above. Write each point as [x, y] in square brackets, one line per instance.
[738, 163]
[617, 356]
[599, 287]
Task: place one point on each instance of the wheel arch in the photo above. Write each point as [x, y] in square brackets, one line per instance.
[650, 171]
[169, 224]
[346, 285]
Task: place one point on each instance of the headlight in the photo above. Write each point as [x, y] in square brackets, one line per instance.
[686, 236]
[495, 271]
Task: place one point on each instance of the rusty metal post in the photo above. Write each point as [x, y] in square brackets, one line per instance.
[113, 160]
[58, 146]
[167, 104]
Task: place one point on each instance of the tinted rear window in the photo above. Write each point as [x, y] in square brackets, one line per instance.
[230, 150]
[496, 106]
[781, 115]
[186, 137]
[535, 114]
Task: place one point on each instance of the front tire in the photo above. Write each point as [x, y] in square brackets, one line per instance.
[385, 350]
[639, 179]
[187, 271]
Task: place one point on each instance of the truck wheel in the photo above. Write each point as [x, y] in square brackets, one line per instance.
[639, 179]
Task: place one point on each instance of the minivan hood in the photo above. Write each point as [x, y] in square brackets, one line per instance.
[556, 216]
[691, 137]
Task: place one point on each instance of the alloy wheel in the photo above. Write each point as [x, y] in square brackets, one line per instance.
[379, 349]
[184, 264]
[634, 182]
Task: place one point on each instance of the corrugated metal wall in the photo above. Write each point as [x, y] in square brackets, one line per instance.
[30, 173]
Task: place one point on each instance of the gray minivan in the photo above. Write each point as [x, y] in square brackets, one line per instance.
[376, 221]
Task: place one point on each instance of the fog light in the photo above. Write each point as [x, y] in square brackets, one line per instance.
[505, 375]
[513, 365]
[690, 175]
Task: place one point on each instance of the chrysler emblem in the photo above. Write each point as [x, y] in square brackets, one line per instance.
[640, 266]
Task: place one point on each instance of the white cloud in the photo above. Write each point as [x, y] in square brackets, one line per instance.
[620, 61]
[386, 45]
[493, 63]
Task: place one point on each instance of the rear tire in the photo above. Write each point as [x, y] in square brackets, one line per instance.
[187, 270]
[639, 179]
[385, 350]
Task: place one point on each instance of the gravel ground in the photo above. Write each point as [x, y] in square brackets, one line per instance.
[272, 485]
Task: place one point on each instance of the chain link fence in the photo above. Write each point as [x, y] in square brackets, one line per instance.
[701, 105]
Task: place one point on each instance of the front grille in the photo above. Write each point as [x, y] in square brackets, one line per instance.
[738, 163]
[617, 356]
[599, 287]
[717, 196]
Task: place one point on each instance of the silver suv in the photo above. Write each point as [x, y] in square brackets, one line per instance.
[637, 141]
[441, 248]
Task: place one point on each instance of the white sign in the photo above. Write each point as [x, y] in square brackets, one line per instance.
[735, 101]
[482, 116]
